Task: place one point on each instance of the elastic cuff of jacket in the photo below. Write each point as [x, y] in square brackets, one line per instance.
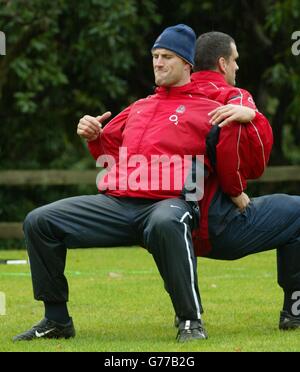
[96, 141]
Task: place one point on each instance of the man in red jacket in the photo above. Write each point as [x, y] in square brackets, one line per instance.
[259, 224]
[147, 195]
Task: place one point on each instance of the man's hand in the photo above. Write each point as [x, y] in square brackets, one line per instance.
[224, 115]
[241, 201]
[90, 127]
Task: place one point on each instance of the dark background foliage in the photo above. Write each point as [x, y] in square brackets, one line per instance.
[67, 58]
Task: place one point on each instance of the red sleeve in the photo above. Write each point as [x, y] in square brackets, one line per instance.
[243, 150]
[258, 137]
[111, 138]
[241, 97]
[228, 160]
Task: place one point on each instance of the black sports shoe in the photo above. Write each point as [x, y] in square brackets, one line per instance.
[288, 321]
[47, 329]
[191, 330]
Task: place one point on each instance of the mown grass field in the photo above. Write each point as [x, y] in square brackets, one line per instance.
[118, 303]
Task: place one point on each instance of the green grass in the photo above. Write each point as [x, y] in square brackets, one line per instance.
[118, 303]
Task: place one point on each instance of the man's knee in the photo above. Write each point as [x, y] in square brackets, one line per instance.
[287, 202]
[35, 220]
[164, 221]
[289, 206]
[165, 225]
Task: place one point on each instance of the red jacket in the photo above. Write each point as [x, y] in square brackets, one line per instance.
[242, 151]
[175, 121]
[172, 121]
[243, 148]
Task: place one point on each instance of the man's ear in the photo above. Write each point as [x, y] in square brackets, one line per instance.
[222, 65]
[188, 68]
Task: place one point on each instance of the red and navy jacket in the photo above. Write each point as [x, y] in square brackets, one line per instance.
[244, 149]
[241, 151]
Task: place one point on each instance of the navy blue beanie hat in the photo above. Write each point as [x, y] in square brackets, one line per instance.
[180, 39]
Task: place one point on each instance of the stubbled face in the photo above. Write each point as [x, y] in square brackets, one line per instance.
[231, 66]
[169, 69]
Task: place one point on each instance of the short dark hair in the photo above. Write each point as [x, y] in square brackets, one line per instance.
[210, 47]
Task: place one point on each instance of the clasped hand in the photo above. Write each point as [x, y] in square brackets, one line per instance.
[90, 127]
[224, 115]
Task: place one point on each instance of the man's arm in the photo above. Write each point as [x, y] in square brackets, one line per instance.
[243, 147]
[238, 106]
[107, 140]
[224, 115]
[242, 153]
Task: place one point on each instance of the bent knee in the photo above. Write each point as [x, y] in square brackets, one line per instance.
[34, 220]
[164, 221]
[290, 205]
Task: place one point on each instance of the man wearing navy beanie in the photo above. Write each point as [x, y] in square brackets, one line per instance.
[173, 56]
[146, 204]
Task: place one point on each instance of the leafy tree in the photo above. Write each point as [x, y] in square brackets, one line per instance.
[64, 59]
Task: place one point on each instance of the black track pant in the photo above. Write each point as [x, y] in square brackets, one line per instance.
[163, 227]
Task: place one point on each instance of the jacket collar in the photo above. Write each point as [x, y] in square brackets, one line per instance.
[183, 89]
[208, 75]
